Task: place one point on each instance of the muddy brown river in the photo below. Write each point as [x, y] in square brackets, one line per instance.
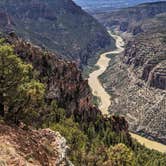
[105, 99]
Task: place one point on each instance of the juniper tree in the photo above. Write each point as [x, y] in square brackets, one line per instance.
[18, 89]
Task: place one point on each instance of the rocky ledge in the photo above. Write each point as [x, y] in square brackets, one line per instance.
[19, 146]
[147, 55]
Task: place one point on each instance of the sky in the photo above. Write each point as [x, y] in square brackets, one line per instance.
[96, 4]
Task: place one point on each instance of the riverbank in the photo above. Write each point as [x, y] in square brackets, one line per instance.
[149, 144]
[103, 62]
[105, 99]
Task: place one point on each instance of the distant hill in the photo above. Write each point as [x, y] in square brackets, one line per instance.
[60, 26]
[107, 5]
[133, 19]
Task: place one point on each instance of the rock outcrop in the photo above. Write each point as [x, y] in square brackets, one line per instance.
[62, 78]
[133, 19]
[60, 26]
[137, 79]
[64, 83]
[146, 52]
[143, 106]
[20, 146]
[147, 55]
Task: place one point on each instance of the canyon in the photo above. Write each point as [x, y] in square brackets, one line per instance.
[105, 98]
[64, 84]
[56, 39]
[136, 78]
[60, 26]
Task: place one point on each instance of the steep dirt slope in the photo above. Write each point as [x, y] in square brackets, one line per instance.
[33, 147]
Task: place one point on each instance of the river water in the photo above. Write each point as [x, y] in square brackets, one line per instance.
[105, 99]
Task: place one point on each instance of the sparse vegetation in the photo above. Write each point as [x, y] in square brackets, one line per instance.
[91, 141]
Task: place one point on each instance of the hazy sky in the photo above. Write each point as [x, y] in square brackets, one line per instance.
[92, 4]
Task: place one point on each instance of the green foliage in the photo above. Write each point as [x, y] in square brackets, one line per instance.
[53, 115]
[91, 141]
[18, 89]
[76, 138]
[95, 143]
[120, 155]
[34, 90]
[96, 101]
[147, 157]
[13, 71]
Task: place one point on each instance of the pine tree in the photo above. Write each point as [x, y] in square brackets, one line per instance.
[18, 89]
[120, 155]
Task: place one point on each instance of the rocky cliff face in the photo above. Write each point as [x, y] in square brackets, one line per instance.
[137, 78]
[133, 19]
[143, 106]
[146, 53]
[32, 147]
[60, 26]
[63, 79]
[64, 83]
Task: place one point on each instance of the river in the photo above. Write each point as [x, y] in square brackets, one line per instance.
[105, 99]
